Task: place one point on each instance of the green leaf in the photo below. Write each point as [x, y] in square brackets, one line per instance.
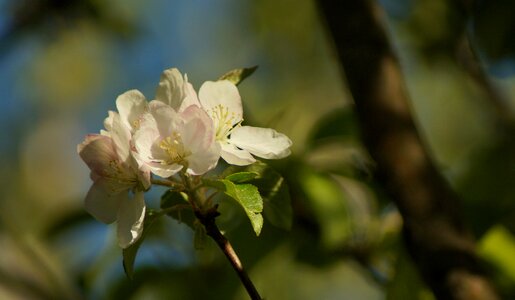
[273, 189]
[129, 253]
[241, 177]
[179, 207]
[275, 193]
[236, 76]
[247, 195]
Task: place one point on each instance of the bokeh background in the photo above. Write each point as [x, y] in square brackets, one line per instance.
[63, 63]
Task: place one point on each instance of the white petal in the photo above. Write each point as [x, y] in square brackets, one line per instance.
[173, 90]
[105, 133]
[190, 96]
[121, 136]
[101, 203]
[131, 215]
[203, 161]
[98, 152]
[197, 131]
[149, 154]
[144, 140]
[216, 94]
[164, 171]
[262, 142]
[198, 137]
[108, 122]
[166, 118]
[235, 156]
[131, 105]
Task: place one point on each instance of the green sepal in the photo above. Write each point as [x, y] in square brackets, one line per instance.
[236, 76]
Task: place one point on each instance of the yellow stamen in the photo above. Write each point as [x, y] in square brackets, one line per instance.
[174, 148]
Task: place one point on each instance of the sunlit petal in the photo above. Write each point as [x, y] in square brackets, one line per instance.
[131, 105]
[262, 142]
[131, 215]
[175, 90]
[234, 156]
[222, 102]
[121, 136]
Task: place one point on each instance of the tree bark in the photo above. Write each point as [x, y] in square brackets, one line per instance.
[441, 246]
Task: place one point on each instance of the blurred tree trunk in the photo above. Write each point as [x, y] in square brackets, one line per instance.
[442, 248]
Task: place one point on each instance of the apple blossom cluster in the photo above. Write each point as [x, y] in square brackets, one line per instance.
[178, 131]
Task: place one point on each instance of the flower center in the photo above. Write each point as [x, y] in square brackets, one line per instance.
[116, 173]
[136, 123]
[225, 120]
[174, 148]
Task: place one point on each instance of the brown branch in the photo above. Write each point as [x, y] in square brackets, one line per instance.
[208, 220]
[435, 236]
[207, 216]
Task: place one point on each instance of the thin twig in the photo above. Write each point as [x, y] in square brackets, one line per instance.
[167, 183]
[208, 220]
[207, 217]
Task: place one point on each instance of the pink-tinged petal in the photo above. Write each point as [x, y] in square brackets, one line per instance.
[98, 152]
[131, 105]
[222, 102]
[263, 142]
[201, 162]
[131, 214]
[198, 137]
[102, 203]
[234, 156]
[166, 118]
[197, 132]
[148, 153]
[175, 90]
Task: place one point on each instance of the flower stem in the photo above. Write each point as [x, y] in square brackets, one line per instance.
[167, 183]
[208, 220]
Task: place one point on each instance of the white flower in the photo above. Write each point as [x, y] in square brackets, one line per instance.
[169, 141]
[118, 183]
[131, 105]
[222, 101]
[176, 91]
